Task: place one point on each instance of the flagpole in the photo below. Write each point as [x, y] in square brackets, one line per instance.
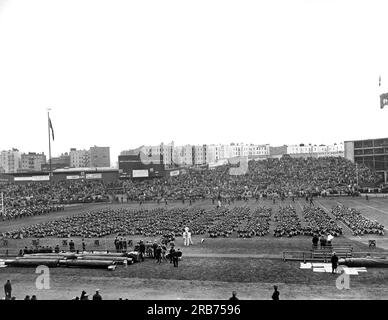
[48, 125]
[2, 204]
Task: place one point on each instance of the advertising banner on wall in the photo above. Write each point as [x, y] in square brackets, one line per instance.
[174, 173]
[72, 177]
[22, 178]
[94, 176]
[40, 178]
[139, 173]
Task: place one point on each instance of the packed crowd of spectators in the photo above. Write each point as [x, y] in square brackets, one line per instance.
[21, 200]
[282, 177]
[359, 224]
[267, 178]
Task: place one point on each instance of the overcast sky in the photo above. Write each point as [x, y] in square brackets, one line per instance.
[127, 73]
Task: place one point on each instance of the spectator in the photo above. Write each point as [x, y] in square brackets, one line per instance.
[84, 295]
[234, 296]
[315, 241]
[8, 289]
[334, 263]
[142, 250]
[275, 294]
[97, 295]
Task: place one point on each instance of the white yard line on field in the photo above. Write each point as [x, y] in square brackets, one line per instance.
[327, 210]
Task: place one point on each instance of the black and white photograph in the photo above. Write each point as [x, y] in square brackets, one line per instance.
[209, 151]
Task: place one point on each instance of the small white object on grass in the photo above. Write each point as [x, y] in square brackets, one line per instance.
[305, 265]
[319, 270]
[350, 271]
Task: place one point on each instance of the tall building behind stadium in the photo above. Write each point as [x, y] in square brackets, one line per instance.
[372, 153]
[99, 157]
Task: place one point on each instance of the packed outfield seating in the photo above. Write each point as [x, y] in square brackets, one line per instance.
[272, 175]
[283, 176]
[42, 198]
[359, 224]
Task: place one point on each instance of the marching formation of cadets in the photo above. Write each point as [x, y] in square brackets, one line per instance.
[287, 222]
[215, 222]
[32, 210]
[357, 222]
[315, 222]
[256, 223]
[319, 222]
[155, 222]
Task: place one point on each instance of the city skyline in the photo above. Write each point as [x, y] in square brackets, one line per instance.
[166, 143]
[15, 160]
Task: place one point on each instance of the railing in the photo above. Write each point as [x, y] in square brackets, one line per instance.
[325, 256]
[342, 246]
[313, 256]
[15, 252]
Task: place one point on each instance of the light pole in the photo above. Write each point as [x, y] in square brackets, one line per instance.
[2, 204]
[357, 174]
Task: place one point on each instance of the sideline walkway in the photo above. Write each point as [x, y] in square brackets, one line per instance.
[232, 255]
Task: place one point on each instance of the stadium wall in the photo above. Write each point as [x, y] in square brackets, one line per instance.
[140, 166]
[107, 176]
[371, 152]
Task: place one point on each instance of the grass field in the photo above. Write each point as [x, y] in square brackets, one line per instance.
[211, 270]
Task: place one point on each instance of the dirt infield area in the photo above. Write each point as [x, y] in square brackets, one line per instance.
[211, 269]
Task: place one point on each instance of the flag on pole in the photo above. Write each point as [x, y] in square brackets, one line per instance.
[51, 127]
[383, 100]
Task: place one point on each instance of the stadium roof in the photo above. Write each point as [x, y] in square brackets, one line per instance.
[366, 139]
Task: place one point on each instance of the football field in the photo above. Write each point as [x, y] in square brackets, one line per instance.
[210, 269]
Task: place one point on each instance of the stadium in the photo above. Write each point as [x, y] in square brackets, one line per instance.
[262, 171]
[248, 232]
